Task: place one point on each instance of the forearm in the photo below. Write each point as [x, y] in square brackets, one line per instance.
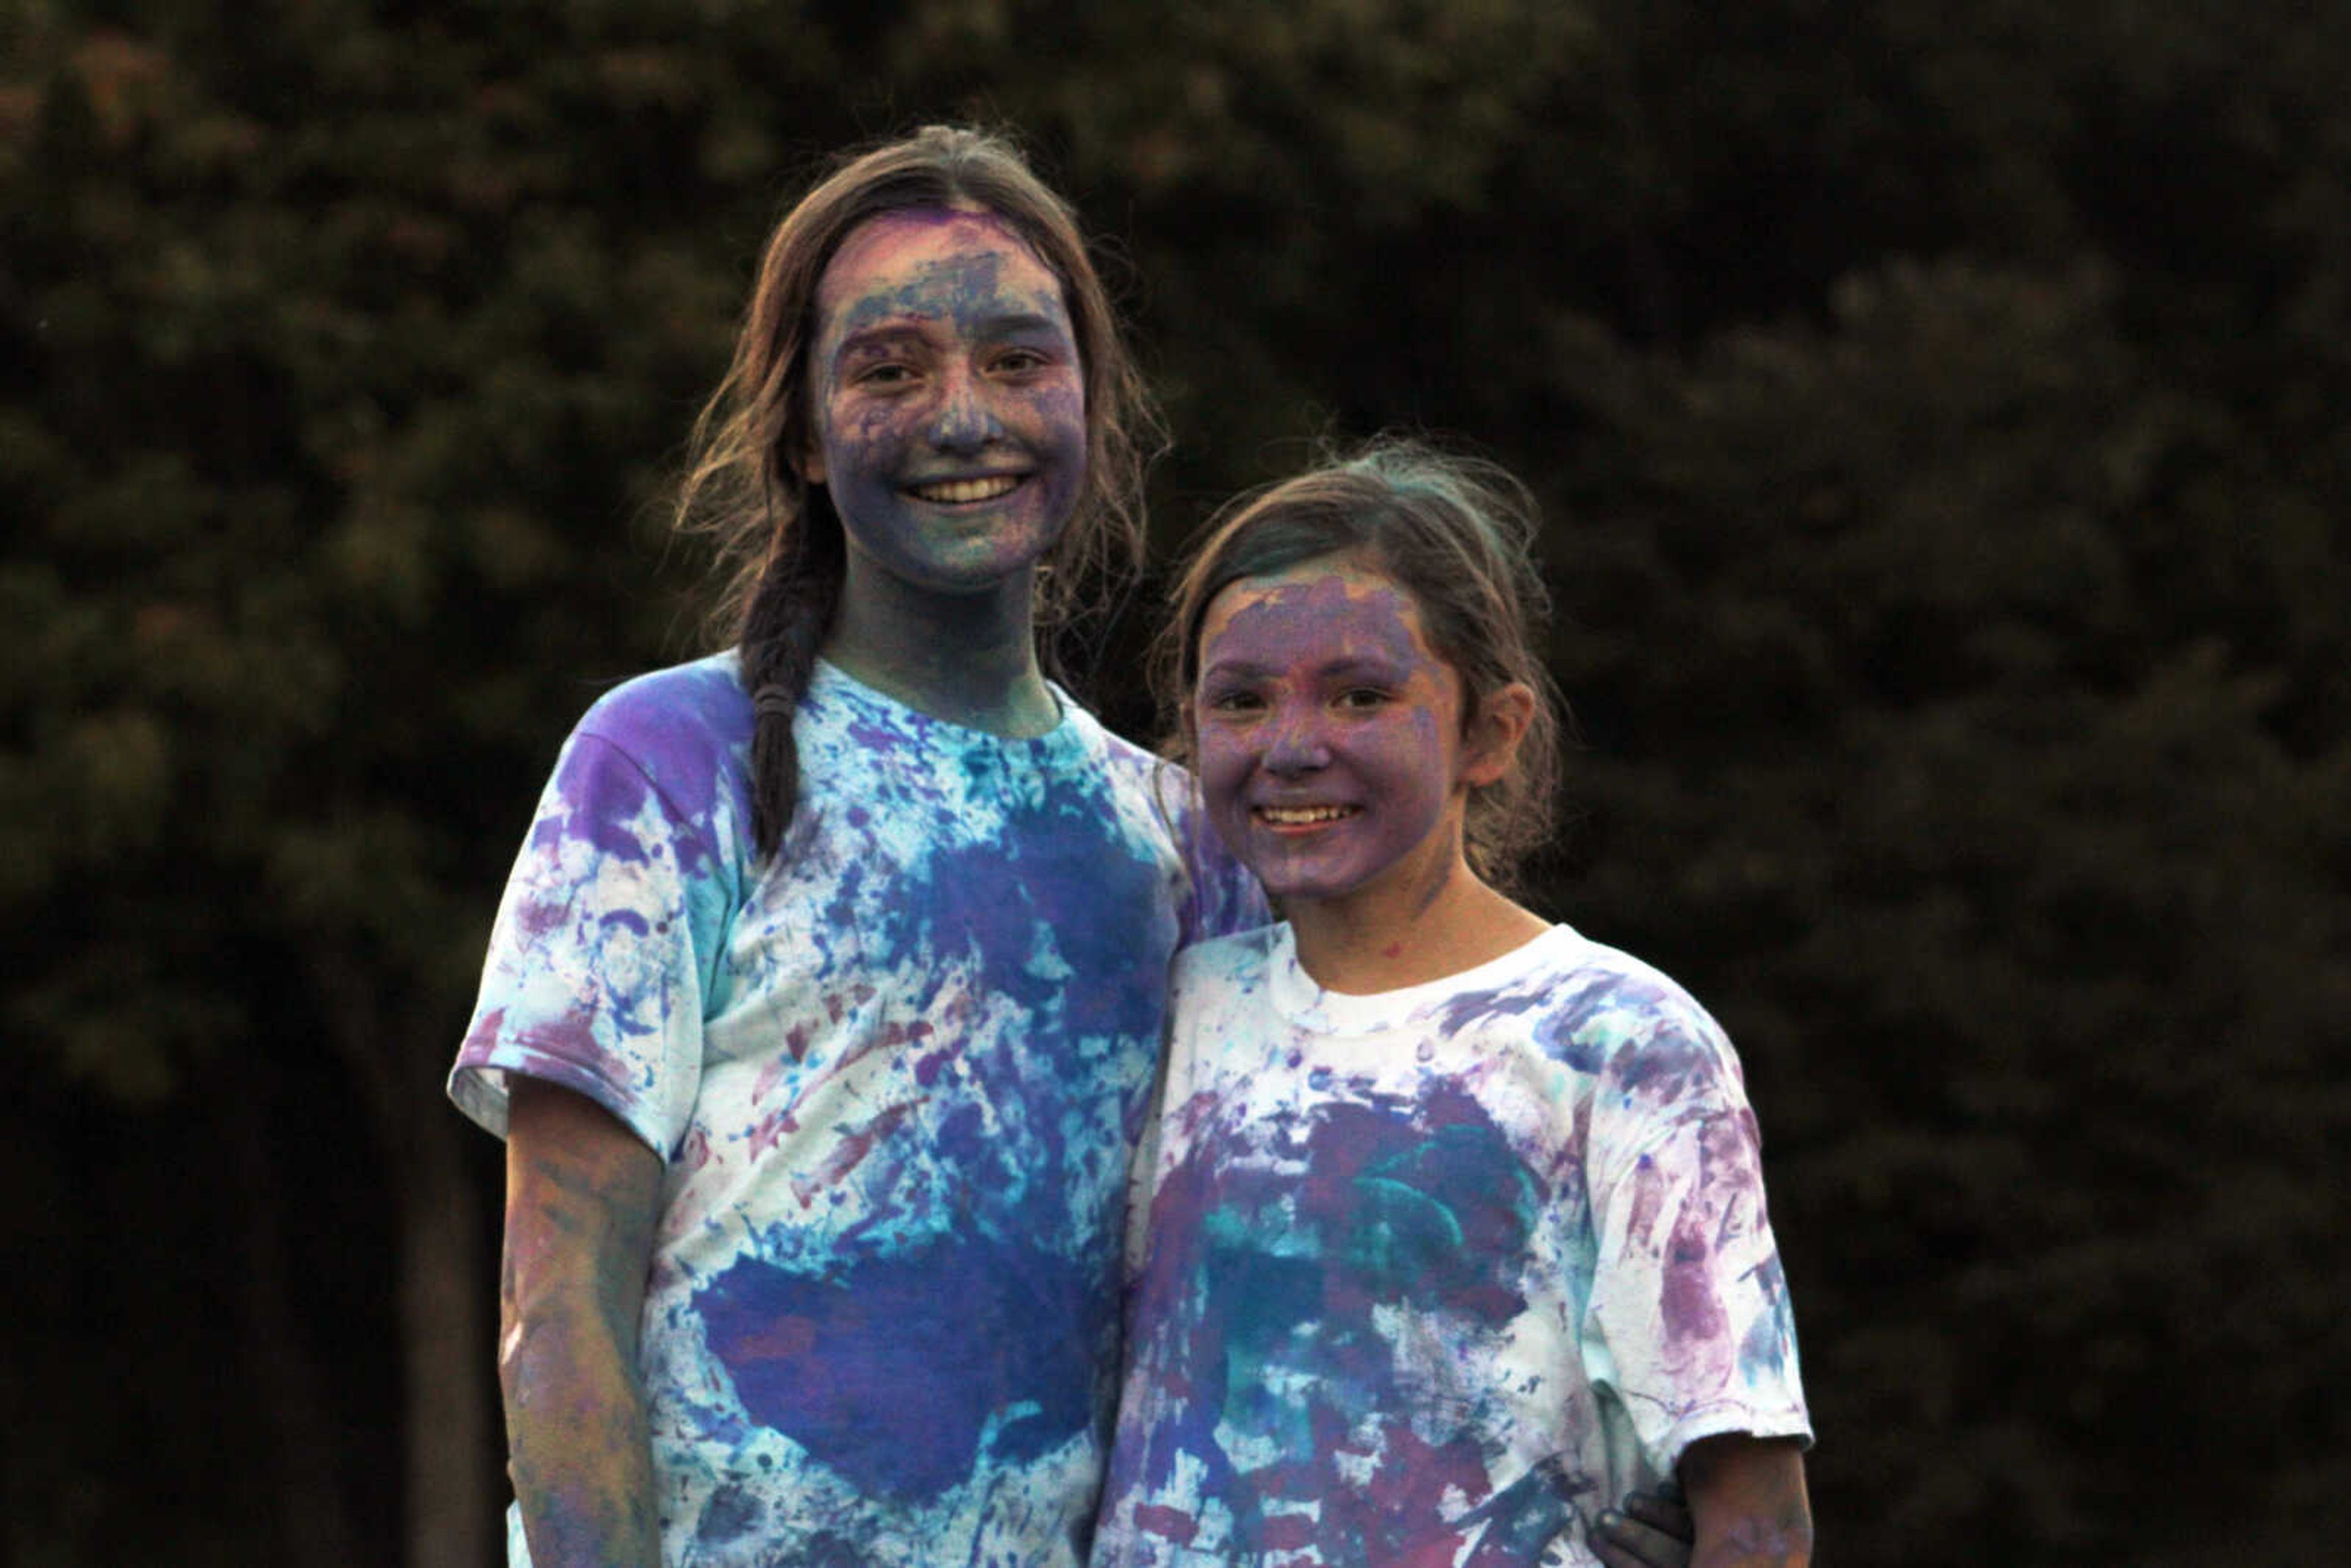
[578, 1448]
[1747, 1497]
[581, 1196]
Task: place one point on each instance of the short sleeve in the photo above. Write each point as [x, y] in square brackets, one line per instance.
[1689, 1325]
[601, 961]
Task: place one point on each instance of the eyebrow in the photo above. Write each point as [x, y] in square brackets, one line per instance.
[1352, 667]
[1026, 321]
[1015, 324]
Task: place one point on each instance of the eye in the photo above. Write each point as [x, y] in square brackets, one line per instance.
[1363, 700]
[1230, 700]
[1021, 361]
[884, 375]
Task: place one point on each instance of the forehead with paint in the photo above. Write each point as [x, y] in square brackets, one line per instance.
[1333, 615]
[963, 269]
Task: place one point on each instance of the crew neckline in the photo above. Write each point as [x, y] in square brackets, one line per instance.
[1067, 737]
[1309, 1004]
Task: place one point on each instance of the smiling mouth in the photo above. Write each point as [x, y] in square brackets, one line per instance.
[962, 491]
[1302, 816]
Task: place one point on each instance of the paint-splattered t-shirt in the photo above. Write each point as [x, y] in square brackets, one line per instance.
[1433, 1276]
[896, 1079]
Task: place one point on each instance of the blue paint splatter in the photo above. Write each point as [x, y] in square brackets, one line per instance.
[893, 1371]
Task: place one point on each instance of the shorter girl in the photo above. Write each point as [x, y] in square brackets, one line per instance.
[1457, 1227]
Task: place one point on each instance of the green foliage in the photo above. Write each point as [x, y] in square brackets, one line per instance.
[1943, 416]
[2030, 917]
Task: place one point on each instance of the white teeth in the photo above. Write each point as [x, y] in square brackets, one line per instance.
[960, 490]
[1298, 816]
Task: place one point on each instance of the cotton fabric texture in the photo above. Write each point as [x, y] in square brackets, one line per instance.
[1431, 1276]
[896, 1079]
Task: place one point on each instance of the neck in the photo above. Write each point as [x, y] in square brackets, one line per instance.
[967, 658]
[1384, 939]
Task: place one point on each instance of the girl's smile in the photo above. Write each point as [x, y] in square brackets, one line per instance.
[1329, 734]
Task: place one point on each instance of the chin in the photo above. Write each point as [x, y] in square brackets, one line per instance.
[1309, 886]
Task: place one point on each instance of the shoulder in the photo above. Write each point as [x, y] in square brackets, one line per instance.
[1133, 768]
[681, 726]
[1223, 896]
[1610, 1012]
[1136, 775]
[685, 707]
[657, 766]
[1611, 977]
[1238, 962]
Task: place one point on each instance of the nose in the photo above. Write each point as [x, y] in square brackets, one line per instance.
[964, 420]
[1295, 748]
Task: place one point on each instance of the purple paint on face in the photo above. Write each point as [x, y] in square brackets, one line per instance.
[1329, 732]
[949, 398]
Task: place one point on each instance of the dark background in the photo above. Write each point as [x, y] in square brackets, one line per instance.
[1943, 413]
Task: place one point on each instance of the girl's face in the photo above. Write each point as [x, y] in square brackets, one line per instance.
[948, 399]
[1329, 734]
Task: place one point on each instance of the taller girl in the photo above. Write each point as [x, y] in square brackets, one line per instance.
[824, 1000]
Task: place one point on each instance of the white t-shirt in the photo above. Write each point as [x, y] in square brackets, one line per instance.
[896, 1079]
[1433, 1276]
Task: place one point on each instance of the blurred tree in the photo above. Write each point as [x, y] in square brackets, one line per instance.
[2028, 913]
[326, 480]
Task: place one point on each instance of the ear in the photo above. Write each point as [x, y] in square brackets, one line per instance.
[810, 460]
[1489, 743]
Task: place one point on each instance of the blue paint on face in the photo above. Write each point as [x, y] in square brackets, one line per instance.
[949, 401]
[1329, 734]
[897, 1372]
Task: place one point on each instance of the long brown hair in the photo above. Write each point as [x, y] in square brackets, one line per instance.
[779, 540]
[1456, 533]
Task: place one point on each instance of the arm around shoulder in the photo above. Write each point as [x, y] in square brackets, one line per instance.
[582, 1198]
[1747, 1497]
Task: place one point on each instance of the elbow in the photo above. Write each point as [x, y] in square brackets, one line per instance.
[1759, 1542]
[1750, 1502]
